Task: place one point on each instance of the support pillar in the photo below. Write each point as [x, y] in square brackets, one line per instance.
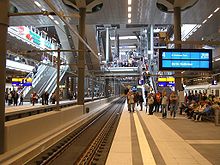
[152, 41]
[58, 80]
[67, 86]
[81, 58]
[106, 87]
[177, 26]
[107, 45]
[4, 20]
[93, 87]
[71, 85]
[75, 80]
[177, 36]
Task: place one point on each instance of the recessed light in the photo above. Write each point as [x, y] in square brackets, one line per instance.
[216, 10]
[51, 17]
[56, 22]
[129, 8]
[37, 3]
[204, 21]
[210, 15]
[129, 20]
[129, 15]
[129, 2]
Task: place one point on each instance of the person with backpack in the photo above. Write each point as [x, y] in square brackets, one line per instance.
[150, 102]
[173, 104]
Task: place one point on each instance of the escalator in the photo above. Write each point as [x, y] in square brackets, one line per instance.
[42, 76]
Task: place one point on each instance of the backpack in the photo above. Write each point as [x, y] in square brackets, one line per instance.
[150, 100]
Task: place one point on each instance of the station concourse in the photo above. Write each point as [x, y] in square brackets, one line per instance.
[75, 74]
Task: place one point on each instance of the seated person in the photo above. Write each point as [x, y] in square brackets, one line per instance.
[189, 110]
[200, 110]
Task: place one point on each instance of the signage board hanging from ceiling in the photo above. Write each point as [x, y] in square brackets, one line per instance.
[22, 81]
[185, 59]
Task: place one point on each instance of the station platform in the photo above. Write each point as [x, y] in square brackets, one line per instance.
[28, 105]
[149, 139]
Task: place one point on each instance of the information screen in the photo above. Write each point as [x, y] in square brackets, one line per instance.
[185, 59]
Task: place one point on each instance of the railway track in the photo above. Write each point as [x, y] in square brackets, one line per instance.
[88, 144]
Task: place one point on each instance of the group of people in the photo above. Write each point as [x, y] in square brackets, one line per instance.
[12, 97]
[154, 102]
[44, 98]
[198, 106]
[134, 98]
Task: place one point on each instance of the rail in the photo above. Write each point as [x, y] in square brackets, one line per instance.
[99, 131]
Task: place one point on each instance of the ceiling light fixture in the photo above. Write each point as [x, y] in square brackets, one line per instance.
[129, 20]
[129, 15]
[210, 15]
[216, 10]
[217, 59]
[204, 21]
[56, 22]
[51, 17]
[37, 3]
[129, 2]
[129, 8]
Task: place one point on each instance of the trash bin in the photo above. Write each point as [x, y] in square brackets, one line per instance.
[217, 117]
[87, 109]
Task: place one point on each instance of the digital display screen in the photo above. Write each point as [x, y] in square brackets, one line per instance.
[185, 59]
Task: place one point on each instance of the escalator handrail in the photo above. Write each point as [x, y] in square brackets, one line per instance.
[54, 86]
[46, 83]
[25, 90]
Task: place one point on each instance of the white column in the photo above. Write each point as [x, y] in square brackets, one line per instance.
[107, 45]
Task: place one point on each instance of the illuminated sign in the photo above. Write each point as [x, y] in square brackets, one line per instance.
[166, 79]
[185, 59]
[166, 84]
[22, 81]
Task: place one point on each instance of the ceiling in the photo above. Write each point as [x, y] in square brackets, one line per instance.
[116, 12]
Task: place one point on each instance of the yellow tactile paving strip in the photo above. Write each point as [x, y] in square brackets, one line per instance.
[172, 147]
[121, 150]
[146, 153]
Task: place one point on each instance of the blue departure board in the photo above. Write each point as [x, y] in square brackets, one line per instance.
[185, 59]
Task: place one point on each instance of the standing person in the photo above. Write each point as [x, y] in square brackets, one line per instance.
[53, 97]
[21, 98]
[43, 98]
[34, 98]
[173, 104]
[129, 105]
[150, 102]
[6, 96]
[157, 101]
[16, 96]
[131, 101]
[140, 100]
[10, 98]
[46, 96]
[164, 104]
